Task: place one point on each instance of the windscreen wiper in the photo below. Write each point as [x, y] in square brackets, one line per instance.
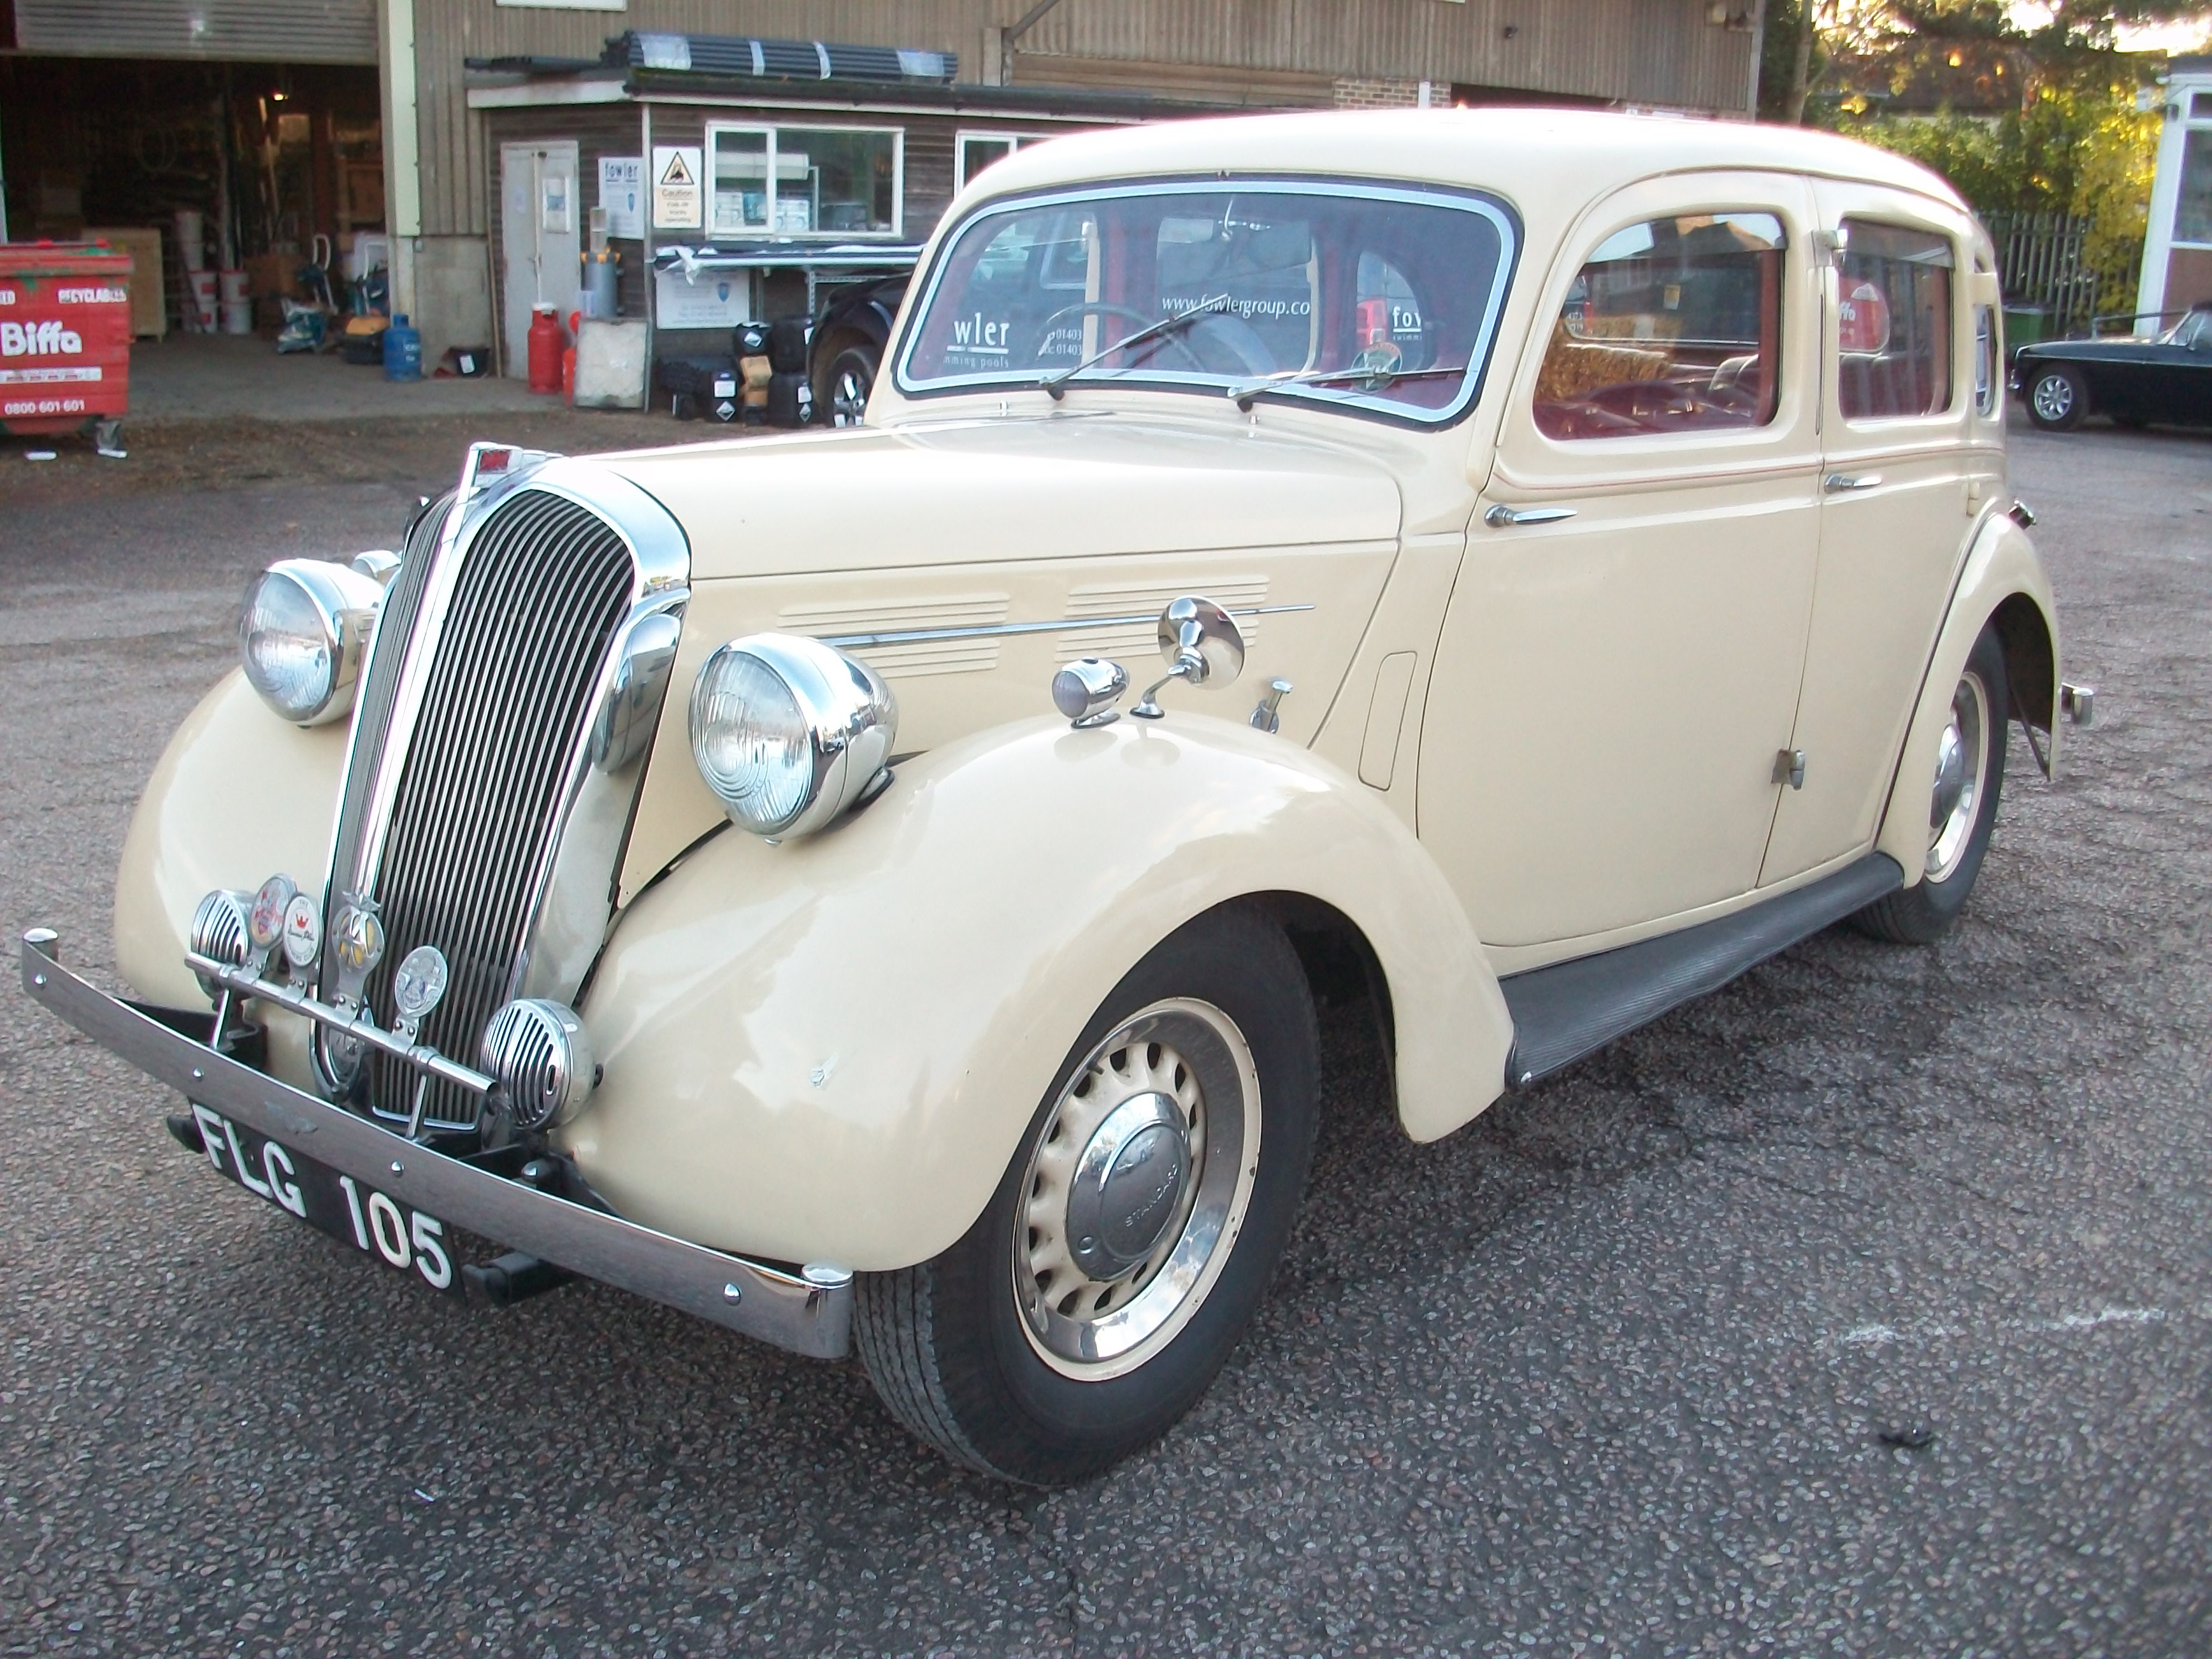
[1373, 376]
[1056, 384]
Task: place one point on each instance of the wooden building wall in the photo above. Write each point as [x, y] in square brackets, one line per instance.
[1659, 51]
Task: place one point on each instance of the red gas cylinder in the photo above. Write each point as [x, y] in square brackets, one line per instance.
[545, 343]
[568, 359]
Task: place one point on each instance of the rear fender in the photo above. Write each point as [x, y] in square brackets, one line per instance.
[829, 1050]
[2003, 580]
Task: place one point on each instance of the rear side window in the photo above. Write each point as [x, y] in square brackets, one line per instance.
[1893, 322]
[1672, 325]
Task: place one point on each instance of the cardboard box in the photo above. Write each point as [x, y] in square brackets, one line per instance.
[149, 310]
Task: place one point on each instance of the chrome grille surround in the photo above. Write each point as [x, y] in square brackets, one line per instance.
[470, 812]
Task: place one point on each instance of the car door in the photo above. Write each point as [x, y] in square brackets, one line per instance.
[1895, 507]
[1619, 658]
[2182, 383]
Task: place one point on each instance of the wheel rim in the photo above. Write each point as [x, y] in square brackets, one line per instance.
[1135, 1190]
[848, 397]
[1962, 765]
[2054, 396]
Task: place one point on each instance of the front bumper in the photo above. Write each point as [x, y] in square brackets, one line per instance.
[810, 1313]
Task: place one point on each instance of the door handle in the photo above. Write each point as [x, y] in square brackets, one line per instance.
[1502, 517]
[1838, 481]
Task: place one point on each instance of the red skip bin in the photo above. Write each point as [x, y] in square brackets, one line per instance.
[64, 339]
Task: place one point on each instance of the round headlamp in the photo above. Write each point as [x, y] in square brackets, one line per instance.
[303, 634]
[790, 732]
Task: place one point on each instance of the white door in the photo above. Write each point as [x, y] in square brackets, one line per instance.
[1897, 379]
[540, 245]
[1619, 662]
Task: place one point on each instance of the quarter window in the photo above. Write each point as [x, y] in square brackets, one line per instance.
[805, 182]
[1985, 360]
[1893, 322]
[1674, 324]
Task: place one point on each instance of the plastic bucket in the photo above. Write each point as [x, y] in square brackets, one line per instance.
[200, 301]
[234, 286]
[192, 239]
[237, 316]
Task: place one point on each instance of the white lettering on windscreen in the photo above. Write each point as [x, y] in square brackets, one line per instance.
[1174, 305]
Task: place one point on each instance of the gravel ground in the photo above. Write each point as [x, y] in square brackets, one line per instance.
[1611, 1372]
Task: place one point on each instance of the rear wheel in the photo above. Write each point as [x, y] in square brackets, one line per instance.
[1962, 805]
[2057, 397]
[1136, 1227]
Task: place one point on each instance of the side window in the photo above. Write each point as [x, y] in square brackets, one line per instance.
[1672, 325]
[1893, 322]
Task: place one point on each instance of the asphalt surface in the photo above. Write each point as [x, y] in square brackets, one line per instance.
[1611, 1372]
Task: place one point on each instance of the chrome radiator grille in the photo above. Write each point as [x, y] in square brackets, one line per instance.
[543, 587]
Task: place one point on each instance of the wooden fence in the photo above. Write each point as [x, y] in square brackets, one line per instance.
[2041, 262]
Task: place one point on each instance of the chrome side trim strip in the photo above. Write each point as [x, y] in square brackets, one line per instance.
[809, 1315]
[1001, 630]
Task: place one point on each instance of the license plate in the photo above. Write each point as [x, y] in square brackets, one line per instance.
[350, 1211]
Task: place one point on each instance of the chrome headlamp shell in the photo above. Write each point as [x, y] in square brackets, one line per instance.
[789, 733]
[302, 634]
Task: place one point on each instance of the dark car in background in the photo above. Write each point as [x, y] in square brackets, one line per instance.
[2135, 382]
[848, 347]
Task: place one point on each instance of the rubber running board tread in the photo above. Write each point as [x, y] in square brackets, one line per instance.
[1566, 1010]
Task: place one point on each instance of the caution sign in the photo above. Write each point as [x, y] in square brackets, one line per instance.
[676, 193]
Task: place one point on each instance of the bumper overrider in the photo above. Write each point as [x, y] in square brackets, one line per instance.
[808, 1311]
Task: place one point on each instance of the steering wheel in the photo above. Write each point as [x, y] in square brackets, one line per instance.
[1106, 308]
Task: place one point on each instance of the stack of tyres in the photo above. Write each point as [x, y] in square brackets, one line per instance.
[790, 393]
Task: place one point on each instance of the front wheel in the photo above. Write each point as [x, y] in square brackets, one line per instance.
[1136, 1227]
[852, 378]
[1962, 804]
[2057, 399]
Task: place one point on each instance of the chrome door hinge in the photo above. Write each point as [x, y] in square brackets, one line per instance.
[1789, 768]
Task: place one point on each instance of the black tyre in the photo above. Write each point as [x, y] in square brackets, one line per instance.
[1962, 806]
[1136, 1227]
[2057, 397]
[843, 399]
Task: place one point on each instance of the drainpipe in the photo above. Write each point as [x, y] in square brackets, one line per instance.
[402, 176]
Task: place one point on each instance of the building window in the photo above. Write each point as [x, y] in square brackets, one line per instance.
[1894, 322]
[806, 181]
[1672, 325]
[974, 151]
[2193, 206]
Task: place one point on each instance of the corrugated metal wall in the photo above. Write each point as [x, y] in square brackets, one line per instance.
[265, 31]
[1660, 51]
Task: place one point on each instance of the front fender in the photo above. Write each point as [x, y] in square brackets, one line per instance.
[2003, 574]
[827, 1050]
[240, 794]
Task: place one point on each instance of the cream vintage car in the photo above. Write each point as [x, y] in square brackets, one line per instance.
[870, 888]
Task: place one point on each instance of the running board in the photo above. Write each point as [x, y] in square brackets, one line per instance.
[1561, 1012]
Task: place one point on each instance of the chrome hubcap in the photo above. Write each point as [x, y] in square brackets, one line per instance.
[1961, 766]
[2054, 396]
[1137, 1186]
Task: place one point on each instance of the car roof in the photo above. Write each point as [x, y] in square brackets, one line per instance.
[1527, 155]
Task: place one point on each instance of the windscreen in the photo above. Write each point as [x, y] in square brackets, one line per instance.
[1377, 299]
